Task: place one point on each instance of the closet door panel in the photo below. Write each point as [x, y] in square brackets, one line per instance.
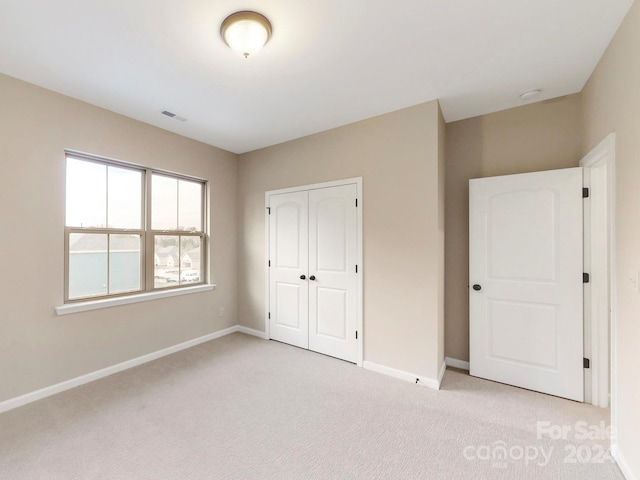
[288, 255]
[332, 274]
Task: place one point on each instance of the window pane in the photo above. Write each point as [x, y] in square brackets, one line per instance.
[190, 264]
[124, 263]
[86, 194]
[87, 265]
[166, 259]
[164, 203]
[190, 204]
[125, 197]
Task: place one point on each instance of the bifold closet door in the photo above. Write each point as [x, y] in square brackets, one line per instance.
[289, 259]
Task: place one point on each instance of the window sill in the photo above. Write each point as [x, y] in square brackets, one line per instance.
[142, 297]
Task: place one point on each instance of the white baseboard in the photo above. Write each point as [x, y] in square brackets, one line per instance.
[105, 372]
[90, 377]
[443, 370]
[622, 463]
[402, 375]
[455, 363]
[251, 331]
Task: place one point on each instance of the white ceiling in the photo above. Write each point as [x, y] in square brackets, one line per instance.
[329, 62]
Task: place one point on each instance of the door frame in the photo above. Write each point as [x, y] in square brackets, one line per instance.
[599, 168]
[359, 252]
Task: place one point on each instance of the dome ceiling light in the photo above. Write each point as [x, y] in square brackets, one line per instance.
[246, 32]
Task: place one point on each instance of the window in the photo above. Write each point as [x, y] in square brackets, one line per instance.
[176, 223]
[130, 229]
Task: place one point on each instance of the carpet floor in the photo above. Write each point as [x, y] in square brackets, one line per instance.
[243, 408]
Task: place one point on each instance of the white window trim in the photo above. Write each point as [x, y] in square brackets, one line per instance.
[85, 304]
[125, 300]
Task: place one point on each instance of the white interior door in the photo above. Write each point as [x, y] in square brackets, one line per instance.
[332, 269]
[525, 271]
[289, 263]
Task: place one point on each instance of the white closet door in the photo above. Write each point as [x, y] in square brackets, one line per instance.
[525, 259]
[332, 271]
[289, 250]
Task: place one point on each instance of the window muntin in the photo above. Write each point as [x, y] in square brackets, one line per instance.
[125, 263]
[86, 194]
[164, 203]
[176, 204]
[124, 198]
[189, 206]
[110, 249]
[177, 260]
[87, 265]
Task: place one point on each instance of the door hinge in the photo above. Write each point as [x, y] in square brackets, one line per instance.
[356, 203]
[268, 210]
[356, 334]
[586, 363]
[585, 193]
[585, 278]
[356, 268]
[269, 262]
[269, 316]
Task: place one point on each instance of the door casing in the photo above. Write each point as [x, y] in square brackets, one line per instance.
[359, 254]
[600, 308]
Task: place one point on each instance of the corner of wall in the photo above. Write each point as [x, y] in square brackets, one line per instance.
[442, 139]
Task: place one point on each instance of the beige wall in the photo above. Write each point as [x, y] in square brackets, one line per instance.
[401, 159]
[397, 156]
[541, 136]
[611, 103]
[38, 348]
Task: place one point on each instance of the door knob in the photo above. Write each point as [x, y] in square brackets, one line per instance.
[477, 287]
[312, 277]
[303, 277]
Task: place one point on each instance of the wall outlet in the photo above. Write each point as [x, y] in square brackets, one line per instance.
[222, 311]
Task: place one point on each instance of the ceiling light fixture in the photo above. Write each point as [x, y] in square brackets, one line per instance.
[246, 32]
[530, 95]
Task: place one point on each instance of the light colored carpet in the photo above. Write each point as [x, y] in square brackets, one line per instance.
[244, 408]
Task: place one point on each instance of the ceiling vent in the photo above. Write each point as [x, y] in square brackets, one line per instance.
[173, 115]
